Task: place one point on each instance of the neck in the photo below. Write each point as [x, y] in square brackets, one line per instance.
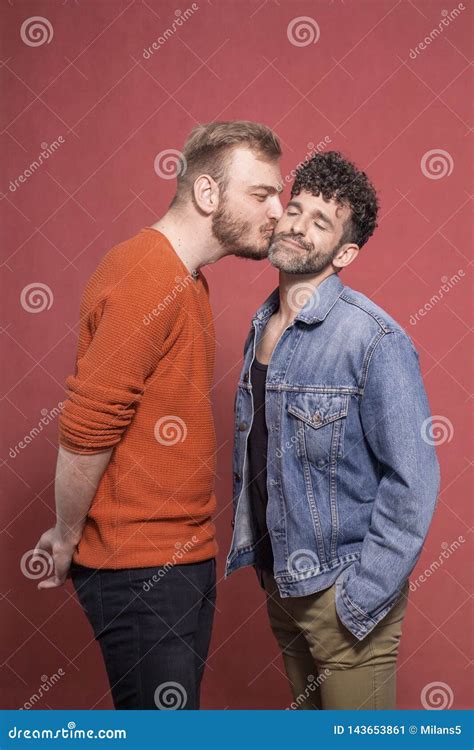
[295, 290]
[192, 241]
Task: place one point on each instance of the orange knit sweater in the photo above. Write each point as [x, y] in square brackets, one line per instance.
[142, 385]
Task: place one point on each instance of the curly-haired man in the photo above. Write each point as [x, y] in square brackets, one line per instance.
[334, 485]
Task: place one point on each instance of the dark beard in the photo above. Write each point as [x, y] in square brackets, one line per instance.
[312, 262]
[231, 234]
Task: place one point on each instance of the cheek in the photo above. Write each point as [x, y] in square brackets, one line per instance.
[256, 218]
[320, 240]
[283, 224]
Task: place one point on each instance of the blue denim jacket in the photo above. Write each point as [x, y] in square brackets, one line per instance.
[352, 474]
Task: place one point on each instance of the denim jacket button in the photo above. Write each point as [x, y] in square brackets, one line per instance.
[237, 477]
[242, 426]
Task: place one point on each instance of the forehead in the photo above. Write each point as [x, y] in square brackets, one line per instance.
[248, 167]
[331, 208]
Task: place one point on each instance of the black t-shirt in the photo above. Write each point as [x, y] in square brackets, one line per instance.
[257, 458]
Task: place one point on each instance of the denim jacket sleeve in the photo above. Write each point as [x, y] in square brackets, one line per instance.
[395, 417]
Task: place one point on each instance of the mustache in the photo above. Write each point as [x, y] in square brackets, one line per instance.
[283, 235]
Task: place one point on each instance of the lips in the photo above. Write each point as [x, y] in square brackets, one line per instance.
[293, 243]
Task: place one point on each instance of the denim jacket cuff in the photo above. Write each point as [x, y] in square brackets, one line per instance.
[358, 622]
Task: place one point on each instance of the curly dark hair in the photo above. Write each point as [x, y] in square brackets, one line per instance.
[335, 177]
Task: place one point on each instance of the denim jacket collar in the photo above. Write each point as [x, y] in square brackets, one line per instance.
[316, 308]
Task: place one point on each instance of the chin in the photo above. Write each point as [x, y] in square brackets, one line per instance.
[252, 253]
[277, 259]
[256, 252]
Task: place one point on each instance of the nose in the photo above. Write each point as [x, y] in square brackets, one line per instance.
[275, 210]
[298, 224]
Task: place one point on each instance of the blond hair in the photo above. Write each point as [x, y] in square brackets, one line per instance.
[209, 146]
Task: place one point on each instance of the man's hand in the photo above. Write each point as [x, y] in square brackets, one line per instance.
[61, 550]
[76, 482]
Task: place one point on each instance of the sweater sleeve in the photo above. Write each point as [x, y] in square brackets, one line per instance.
[128, 329]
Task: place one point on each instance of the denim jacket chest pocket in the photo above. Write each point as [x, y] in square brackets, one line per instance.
[318, 422]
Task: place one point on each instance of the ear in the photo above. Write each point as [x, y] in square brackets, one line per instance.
[206, 193]
[345, 255]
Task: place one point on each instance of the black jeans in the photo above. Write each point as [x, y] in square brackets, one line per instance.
[154, 628]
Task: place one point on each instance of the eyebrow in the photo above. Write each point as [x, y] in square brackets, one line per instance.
[317, 213]
[269, 188]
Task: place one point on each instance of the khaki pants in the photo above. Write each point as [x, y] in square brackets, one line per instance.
[327, 666]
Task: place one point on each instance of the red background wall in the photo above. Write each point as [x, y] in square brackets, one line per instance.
[115, 110]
